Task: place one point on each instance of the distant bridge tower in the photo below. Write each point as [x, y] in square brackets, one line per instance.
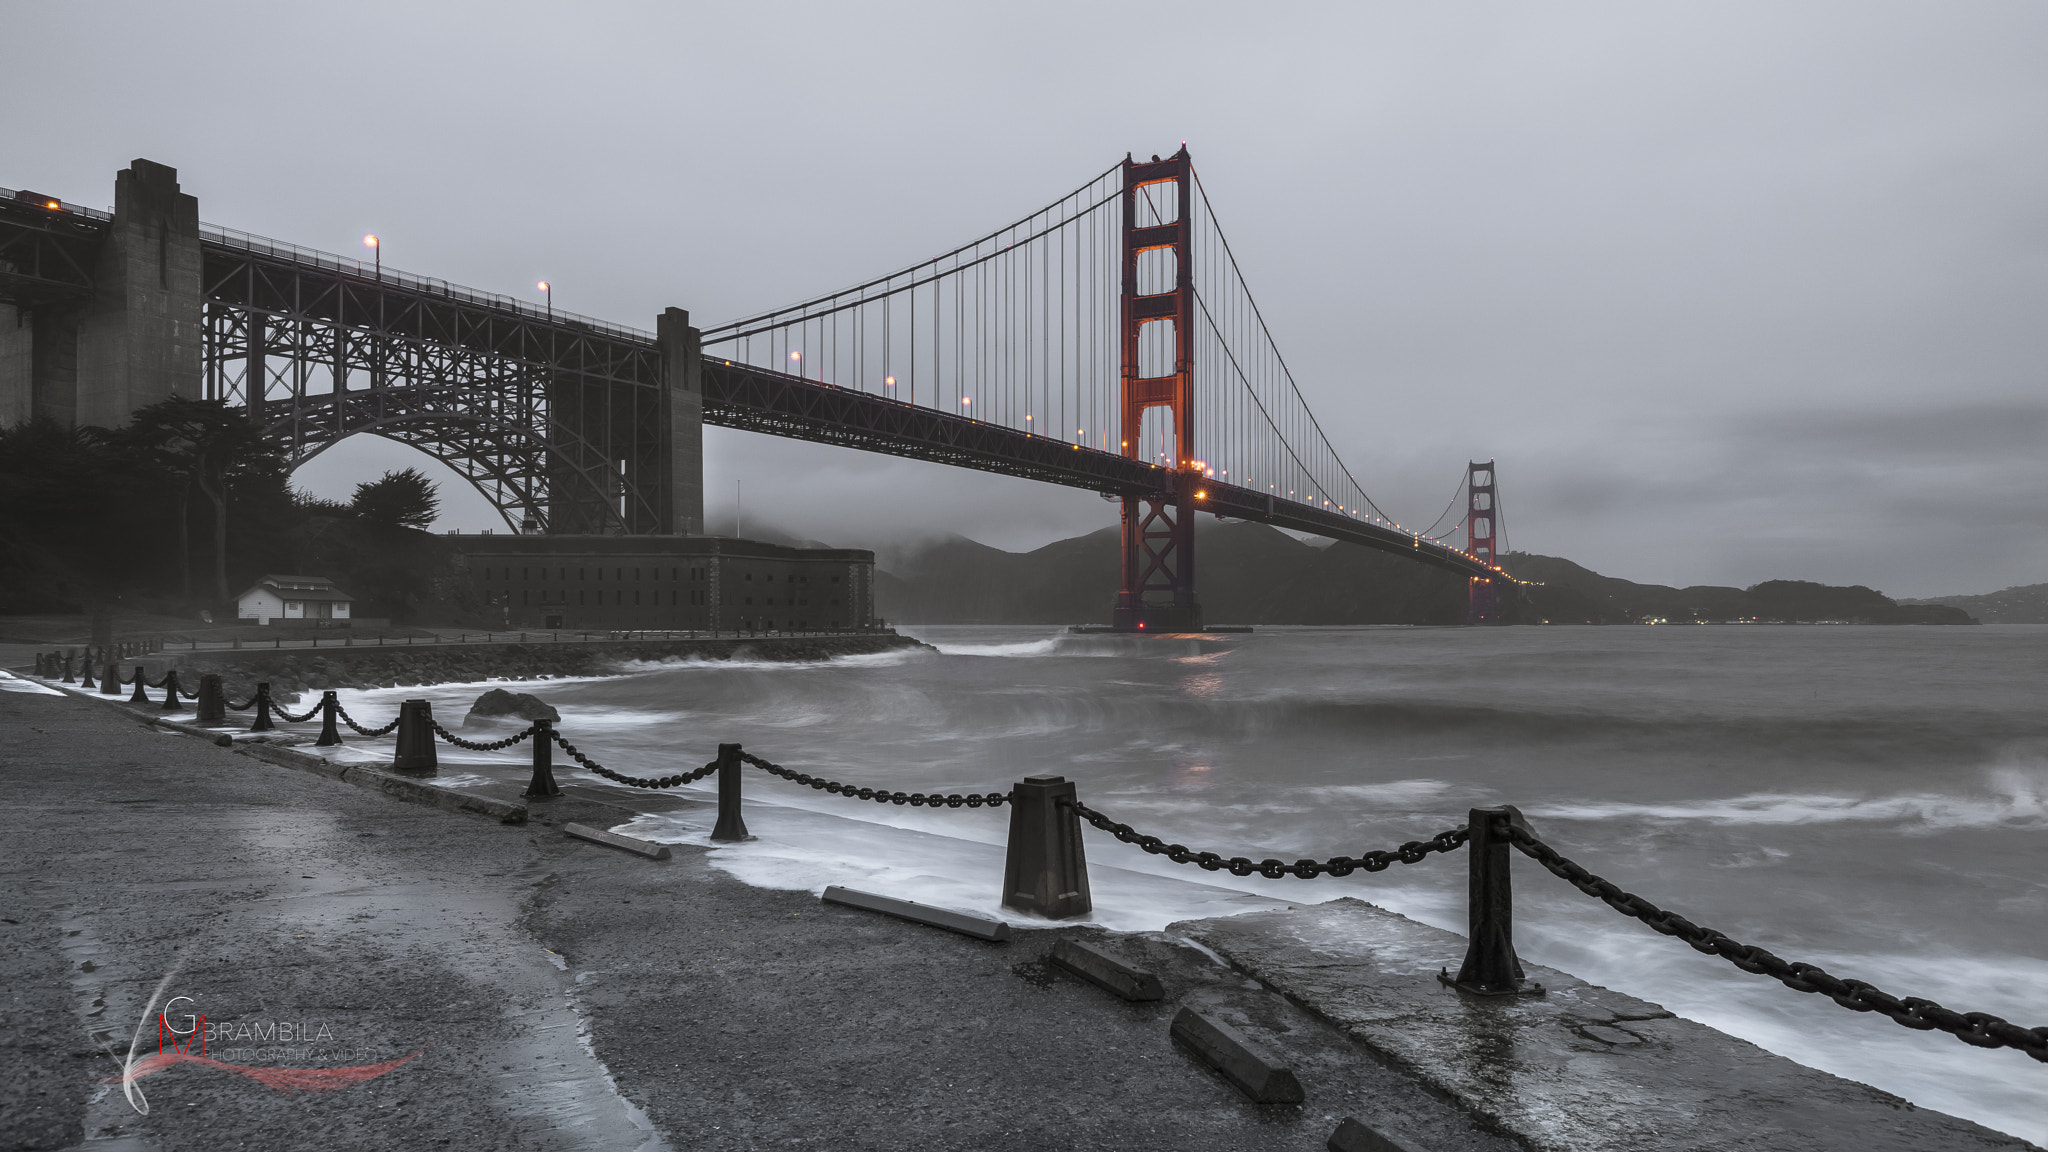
[1157, 592]
[1481, 512]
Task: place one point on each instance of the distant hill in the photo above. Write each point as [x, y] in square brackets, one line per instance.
[1253, 574]
[1568, 592]
[2025, 604]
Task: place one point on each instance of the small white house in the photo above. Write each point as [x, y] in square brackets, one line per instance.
[293, 598]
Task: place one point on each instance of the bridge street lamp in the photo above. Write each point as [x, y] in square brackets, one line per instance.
[549, 290]
[376, 250]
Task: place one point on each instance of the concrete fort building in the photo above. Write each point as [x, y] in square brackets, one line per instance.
[586, 436]
[663, 583]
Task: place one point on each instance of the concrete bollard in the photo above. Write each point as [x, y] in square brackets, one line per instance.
[110, 679]
[85, 671]
[1491, 967]
[730, 826]
[415, 753]
[69, 678]
[330, 707]
[543, 783]
[263, 722]
[1045, 871]
[171, 703]
[211, 705]
[141, 694]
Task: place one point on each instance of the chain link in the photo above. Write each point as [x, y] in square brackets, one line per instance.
[351, 722]
[633, 781]
[473, 746]
[1976, 1028]
[291, 719]
[879, 796]
[244, 706]
[1413, 852]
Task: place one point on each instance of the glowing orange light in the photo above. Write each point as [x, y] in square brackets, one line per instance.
[53, 204]
[796, 355]
[889, 381]
[543, 286]
[1201, 495]
[967, 399]
[371, 241]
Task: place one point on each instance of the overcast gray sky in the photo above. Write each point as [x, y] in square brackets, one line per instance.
[1733, 291]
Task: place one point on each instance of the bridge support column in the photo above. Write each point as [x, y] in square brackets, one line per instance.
[1157, 593]
[682, 378]
[39, 362]
[141, 338]
[1482, 604]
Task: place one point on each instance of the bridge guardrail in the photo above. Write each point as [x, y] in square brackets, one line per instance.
[299, 254]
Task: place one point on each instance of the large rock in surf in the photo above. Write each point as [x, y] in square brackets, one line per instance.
[498, 704]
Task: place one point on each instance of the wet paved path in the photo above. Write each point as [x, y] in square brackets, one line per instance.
[561, 995]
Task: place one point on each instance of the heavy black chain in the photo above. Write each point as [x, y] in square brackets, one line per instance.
[291, 719]
[1413, 852]
[880, 796]
[351, 722]
[633, 781]
[1977, 1028]
[473, 746]
[244, 706]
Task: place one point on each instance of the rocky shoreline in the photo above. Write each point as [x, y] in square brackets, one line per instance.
[291, 673]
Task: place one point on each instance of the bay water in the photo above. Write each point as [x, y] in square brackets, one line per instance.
[1872, 800]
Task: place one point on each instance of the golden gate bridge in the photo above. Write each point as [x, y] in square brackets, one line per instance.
[1107, 341]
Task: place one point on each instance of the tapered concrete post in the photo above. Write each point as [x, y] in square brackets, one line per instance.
[330, 707]
[1491, 967]
[543, 783]
[85, 671]
[415, 755]
[263, 722]
[69, 676]
[171, 702]
[141, 694]
[110, 679]
[1045, 872]
[211, 703]
[730, 826]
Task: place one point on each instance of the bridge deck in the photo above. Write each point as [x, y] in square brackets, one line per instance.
[758, 400]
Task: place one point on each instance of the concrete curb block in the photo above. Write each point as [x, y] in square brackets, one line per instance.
[420, 792]
[223, 739]
[645, 848]
[960, 922]
[1243, 1063]
[1351, 1136]
[1105, 971]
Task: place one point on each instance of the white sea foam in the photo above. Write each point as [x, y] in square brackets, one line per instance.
[1050, 647]
[802, 850]
[2016, 798]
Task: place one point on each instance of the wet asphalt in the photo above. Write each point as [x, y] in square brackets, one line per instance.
[557, 994]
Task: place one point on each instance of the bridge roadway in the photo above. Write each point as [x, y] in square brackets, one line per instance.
[760, 400]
